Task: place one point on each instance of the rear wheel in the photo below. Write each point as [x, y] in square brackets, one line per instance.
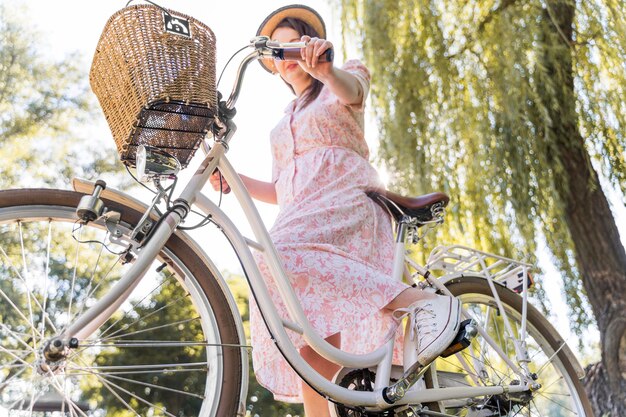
[561, 393]
[171, 349]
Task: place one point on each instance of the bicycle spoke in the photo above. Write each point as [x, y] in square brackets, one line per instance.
[17, 404]
[15, 352]
[55, 384]
[131, 372]
[16, 357]
[542, 395]
[90, 294]
[561, 394]
[32, 403]
[70, 295]
[146, 384]
[108, 384]
[517, 413]
[34, 397]
[133, 307]
[17, 310]
[501, 342]
[548, 386]
[153, 344]
[153, 328]
[5, 383]
[44, 314]
[90, 283]
[25, 273]
[17, 273]
[138, 319]
[74, 409]
[465, 368]
[17, 338]
[498, 377]
[531, 412]
[483, 360]
[163, 366]
[13, 365]
[550, 359]
[104, 279]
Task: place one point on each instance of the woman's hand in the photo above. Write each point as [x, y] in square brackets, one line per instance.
[310, 58]
[218, 182]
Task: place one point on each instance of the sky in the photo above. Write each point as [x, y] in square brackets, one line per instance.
[75, 26]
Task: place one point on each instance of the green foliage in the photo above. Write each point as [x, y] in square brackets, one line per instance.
[134, 324]
[463, 93]
[260, 401]
[44, 112]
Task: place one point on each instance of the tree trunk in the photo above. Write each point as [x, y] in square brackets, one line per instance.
[600, 254]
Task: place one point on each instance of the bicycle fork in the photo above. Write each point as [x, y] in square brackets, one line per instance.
[90, 208]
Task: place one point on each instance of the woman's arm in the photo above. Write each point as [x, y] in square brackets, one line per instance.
[260, 190]
[341, 83]
[344, 85]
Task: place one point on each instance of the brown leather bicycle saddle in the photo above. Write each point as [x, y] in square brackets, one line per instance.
[399, 206]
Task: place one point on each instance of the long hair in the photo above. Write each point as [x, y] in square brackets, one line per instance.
[304, 28]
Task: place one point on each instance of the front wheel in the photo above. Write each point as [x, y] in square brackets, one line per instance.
[172, 349]
[561, 393]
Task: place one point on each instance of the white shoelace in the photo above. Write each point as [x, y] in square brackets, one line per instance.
[419, 321]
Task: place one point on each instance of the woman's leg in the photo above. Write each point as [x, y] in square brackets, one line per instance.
[314, 404]
[408, 297]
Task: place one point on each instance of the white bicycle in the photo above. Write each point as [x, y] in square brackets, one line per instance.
[107, 307]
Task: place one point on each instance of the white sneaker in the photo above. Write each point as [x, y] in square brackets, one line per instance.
[431, 328]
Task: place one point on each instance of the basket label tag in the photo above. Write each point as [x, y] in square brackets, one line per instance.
[177, 25]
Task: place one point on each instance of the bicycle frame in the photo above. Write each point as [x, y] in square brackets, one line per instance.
[381, 358]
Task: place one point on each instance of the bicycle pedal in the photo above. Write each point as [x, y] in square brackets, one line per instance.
[467, 331]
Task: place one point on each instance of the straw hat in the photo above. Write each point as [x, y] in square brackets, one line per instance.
[298, 11]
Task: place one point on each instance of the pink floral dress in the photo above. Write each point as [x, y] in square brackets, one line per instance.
[336, 244]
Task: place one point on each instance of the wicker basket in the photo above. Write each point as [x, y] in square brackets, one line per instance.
[154, 75]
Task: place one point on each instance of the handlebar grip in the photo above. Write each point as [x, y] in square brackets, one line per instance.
[293, 54]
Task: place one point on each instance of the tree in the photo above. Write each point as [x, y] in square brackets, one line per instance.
[43, 106]
[516, 109]
[142, 317]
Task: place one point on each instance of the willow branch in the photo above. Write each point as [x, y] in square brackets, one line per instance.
[503, 6]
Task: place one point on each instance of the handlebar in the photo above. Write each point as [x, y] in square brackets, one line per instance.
[266, 48]
[293, 54]
[290, 51]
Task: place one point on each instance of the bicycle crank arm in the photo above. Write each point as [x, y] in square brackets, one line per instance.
[395, 392]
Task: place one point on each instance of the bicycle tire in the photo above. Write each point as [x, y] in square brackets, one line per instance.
[564, 396]
[187, 278]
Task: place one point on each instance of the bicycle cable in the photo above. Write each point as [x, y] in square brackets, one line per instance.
[137, 180]
[80, 225]
[206, 220]
[228, 62]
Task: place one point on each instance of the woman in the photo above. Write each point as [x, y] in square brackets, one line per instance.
[334, 241]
